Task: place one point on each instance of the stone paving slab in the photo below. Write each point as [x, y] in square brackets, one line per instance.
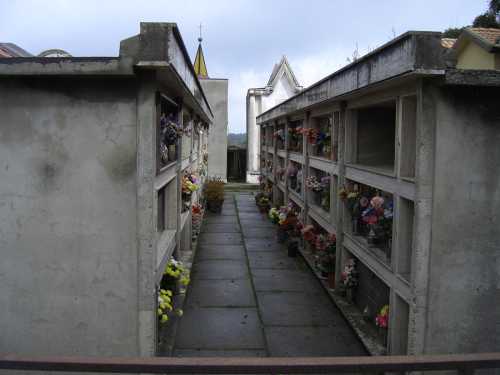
[219, 219]
[221, 228]
[271, 260]
[227, 252]
[298, 309]
[311, 342]
[220, 293]
[220, 269]
[283, 280]
[263, 244]
[220, 329]
[253, 232]
[221, 238]
[251, 215]
[254, 223]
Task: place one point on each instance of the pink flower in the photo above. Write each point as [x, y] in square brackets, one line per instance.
[377, 202]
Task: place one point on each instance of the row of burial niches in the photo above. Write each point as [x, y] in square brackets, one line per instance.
[371, 136]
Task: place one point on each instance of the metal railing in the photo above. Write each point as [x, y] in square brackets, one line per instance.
[463, 363]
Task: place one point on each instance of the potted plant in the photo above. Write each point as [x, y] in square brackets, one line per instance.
[214, 194]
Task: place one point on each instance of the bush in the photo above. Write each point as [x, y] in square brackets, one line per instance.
[214, 189]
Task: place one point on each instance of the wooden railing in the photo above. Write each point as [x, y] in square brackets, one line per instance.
[464, 364]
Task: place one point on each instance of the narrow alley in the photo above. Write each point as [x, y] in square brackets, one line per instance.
[248, 298]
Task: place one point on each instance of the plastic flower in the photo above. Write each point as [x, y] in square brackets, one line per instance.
[377, 202]
[382, 318]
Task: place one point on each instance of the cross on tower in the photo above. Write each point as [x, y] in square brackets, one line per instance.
[200, 38]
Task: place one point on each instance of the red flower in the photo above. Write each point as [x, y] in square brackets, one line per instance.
[372, 219]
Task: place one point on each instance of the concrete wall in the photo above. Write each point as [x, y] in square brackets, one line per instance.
[68, 275]
[216, 91]
[464, 278]
[258, 103]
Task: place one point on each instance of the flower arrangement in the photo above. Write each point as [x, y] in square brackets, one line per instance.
[309, 233]
[190, 183]
[213, 192]
[196, 219]
[312, 183]
[274, 215]
[165, 305]
[175, 271]
[170, 129]
[296, 132]
[349, 276]
[382, 318]
[169, 132]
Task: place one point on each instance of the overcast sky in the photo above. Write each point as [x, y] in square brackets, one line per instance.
[242, 39]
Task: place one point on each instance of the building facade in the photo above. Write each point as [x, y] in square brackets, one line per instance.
[282, 84]
[216, 90]
[94, 152]
[397, 154]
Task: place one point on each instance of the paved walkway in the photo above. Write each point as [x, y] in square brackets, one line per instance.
[247, 298]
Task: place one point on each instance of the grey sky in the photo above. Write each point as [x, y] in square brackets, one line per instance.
[242, 39]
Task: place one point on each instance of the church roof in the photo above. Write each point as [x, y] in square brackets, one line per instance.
[283, 66]
[200, 68]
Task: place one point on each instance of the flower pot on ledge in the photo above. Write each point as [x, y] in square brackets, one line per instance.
[215, 206]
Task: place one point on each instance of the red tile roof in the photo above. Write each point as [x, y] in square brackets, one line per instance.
[492, 36]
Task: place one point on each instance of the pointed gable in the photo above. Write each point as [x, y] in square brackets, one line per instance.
[200, 67]
[283, 69]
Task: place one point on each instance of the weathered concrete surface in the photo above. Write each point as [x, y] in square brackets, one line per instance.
[220, 329]
[216, 91]
[465, 258]
[221, 293]
[274, 304]
[68, 217]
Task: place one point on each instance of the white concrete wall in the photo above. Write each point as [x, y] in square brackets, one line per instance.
[68, 270]
[216, 91]
[257, 103]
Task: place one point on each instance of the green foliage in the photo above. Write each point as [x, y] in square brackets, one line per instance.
[487, 20]
[452, 32]
[237, 139]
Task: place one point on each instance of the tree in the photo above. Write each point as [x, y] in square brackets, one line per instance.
[487, 20]
[452, 32]
[494, 7]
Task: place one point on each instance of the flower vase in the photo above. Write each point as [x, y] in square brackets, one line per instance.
[172, 153]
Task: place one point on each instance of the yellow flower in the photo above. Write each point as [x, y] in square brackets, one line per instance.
[160, 311]
[164, 318]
